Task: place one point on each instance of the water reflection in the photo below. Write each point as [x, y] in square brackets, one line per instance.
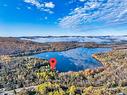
[74, 59]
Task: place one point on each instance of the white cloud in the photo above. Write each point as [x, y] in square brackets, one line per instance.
[29, 8]
[82, 0]
[49, 5]
[44, 6]
[103, 12]
[48, 10]
[35, 3]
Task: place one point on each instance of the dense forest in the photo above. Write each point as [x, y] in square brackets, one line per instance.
[21, 72]
[25, 75]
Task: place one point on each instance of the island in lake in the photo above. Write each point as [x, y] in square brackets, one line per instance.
[86, 65]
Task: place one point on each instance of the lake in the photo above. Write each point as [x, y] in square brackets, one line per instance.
[74, 59]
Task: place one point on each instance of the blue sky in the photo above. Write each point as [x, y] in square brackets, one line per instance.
[63, 17]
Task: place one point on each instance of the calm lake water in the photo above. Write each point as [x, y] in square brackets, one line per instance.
[75, 59]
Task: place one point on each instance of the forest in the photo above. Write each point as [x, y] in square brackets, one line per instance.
[26, 75]
[23, 72]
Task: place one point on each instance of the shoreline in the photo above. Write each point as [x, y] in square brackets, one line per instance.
[33, 53]
[30, 55]
[15, 47]
[114, 66]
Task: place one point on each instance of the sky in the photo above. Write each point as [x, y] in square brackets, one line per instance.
[63, 17]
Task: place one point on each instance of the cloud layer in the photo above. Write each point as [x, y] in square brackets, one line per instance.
[44, 6]
[96, 12]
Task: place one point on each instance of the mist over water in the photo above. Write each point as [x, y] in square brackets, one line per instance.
[96, 39]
